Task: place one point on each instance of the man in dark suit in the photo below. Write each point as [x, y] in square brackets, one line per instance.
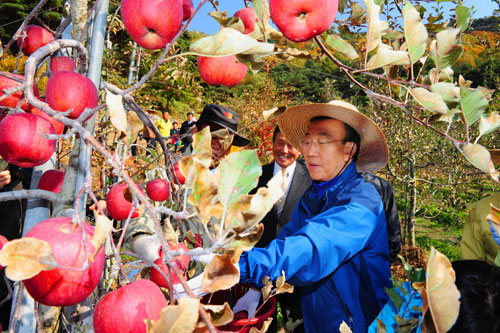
[285, 156]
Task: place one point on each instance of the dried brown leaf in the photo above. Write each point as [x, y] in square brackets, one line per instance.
[101, 232]
[176, 318]
[135, 125]
[344, 328]
[268, 286]
[244, 242]
[26, 257]
[264, 327]
[220, 274]
[442, 293]
[285, 288]
[219, 314]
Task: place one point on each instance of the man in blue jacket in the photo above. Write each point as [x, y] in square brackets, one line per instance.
[335, 246]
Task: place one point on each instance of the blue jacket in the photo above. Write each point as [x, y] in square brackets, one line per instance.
[335, 250]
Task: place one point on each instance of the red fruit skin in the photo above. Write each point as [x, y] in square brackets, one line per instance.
[118, 206]
[3, 240]
[301, 20]
[125, 309]
[182, 259]
[58, 126]
[36, 37]
[63, 286]
[187, 9]
[198, 241]
[158, 189]
[221, 70]
[60, 64]
[22, 142]
[51, 180]
[158, 279]
[13, 99]
[152, 23]
[248, 17]
[179, 178]
[70, 90]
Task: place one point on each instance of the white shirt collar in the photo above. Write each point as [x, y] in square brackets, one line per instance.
[290, 169]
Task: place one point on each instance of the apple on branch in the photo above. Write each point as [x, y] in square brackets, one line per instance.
[23, 140]
[13, 100]
[248, 17]
[62, 63]
[301, 20]
[67, 284]
[221, 70]
[69, 90]
[52, 180]
[36, 37]
[152, 23]
[187, 9]
[126, 308]
[181, 261]
[118, 204]
[158, 189]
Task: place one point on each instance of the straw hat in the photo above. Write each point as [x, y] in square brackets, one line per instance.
[373, 154]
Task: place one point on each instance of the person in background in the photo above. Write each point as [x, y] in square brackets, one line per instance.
[186, 132]
[148, 134]
[477, 241]
[164, 124]
[286, 158]
[174, 134]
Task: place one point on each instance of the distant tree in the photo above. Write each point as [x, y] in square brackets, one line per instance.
[490, 23]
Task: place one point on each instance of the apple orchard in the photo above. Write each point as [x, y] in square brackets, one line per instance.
[64, 260]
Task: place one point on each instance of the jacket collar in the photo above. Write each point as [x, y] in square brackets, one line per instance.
[331, 185]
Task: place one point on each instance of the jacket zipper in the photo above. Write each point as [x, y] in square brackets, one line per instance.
[344, 306]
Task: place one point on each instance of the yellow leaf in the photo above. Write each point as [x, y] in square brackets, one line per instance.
[376, 27]
[220, 274]
[204, 195]
[26, 257]
[442, 295]
[102, 229]
[116, 111]
[480, 157]
[219, 315]
[176, 318]
[135, 125]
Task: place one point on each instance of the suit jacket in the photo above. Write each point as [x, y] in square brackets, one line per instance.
[300, 183]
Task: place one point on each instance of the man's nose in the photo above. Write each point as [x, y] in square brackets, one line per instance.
[285, 149]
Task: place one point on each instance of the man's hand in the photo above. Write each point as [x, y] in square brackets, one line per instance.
[5, 178]
[495, 235]
[248, 302]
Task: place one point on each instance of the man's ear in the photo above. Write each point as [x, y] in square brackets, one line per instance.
[350, 149]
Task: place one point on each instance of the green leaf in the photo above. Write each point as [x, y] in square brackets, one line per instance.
[414, 275]
[449, 92]
[463, 17]
[415, 32]
[342, 46]
[376, 27]
[395, 297]
[444, 49]
[228, 42]
[480, 157]
[472, 102]
[386, 56]
[239, 174]
[342, 6]
[431, 101]
[489, 123]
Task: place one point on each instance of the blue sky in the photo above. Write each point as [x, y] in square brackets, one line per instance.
[204, 23]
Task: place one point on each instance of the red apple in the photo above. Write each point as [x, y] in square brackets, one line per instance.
[179, 178]
[118, 205]
[13, 100]
[187, 9]
[36, 37]
[248, 17]
[181, 261]
[59, 64]
[22, 140]
[70, 90]
[3, 241]
[152, 24]
[125, 309]
[198, 241]
[158, 189]
[301, 20]
[66, 286]
[58, 126]
[51, 180]
[221, 70]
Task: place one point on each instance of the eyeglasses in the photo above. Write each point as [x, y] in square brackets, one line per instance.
[321, 144]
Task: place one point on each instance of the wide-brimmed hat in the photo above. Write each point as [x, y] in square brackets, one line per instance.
[225, 117]
[373, 153]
